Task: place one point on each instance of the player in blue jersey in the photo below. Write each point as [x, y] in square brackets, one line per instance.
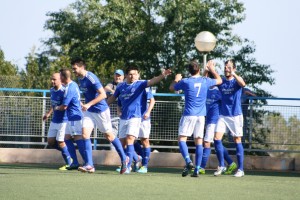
[58, 125]
[213, 104]
[145, 128]
[71, 103]
[231, 117]
[96, 112]
[129, 94]
[193, 118]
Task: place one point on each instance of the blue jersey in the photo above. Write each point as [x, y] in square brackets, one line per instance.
[89, 86]
[213, 104]
[195, 92]
[72, 100]
[56, 98]
[231, 97]
[129, 97]
[147, 95]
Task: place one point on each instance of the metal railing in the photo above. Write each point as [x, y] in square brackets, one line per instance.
[273, 127]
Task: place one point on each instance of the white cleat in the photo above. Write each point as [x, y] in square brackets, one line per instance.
[220, 170]
[239, 173]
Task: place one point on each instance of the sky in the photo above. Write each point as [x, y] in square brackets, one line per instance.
[273, 26]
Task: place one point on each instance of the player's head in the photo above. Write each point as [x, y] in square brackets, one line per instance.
[55, 80]
[132, 74]
[210, 75]
[65, 76]
[229, 65]
[78, 66]
[193, 67]
[119, 76]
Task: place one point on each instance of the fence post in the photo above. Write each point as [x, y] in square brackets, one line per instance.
[250, 124]
[44, 112]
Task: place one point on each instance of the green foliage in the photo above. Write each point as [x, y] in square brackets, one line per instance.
[152, 34]
[6, 67]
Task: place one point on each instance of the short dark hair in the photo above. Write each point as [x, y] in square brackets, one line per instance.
[131, 67]
[231, 60]
[78, 61]
[193, 67]
[66, 73]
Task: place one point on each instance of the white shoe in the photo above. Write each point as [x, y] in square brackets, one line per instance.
[239, 173]
[220, 170]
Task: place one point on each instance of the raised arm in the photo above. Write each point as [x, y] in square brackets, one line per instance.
[211, 69]
[157, 79]
[178, 78]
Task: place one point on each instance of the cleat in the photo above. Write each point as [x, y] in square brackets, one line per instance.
[127, 171]
[72, 166]
[136, 165]
[124, 165]
[87, 168]
[195, 173]
[201, 171]
[63, 168]
[239, 173]
[118, 169]
[220, 170]
[187, 169]
[231, 168]
[143, 170]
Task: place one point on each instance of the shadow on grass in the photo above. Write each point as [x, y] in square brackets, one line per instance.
[110, 169]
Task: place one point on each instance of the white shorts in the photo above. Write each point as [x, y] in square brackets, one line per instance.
[234, 125]
[192, 125]
[129, 127]
[145, 129]
[57, 130]
[210, 133]
[74, 127]
[101, 120]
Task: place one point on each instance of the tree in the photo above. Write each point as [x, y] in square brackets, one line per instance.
[9, 76]
[152, 34]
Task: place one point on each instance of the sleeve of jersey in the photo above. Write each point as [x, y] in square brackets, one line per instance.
[117, 92]
[179, 85]
[212, 82]
[149, 95]
[67, 96]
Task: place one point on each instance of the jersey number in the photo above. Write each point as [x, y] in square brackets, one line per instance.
[198, 86]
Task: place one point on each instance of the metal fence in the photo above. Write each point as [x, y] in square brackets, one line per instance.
[273, 127]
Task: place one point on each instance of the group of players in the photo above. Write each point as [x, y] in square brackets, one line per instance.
[218, 98]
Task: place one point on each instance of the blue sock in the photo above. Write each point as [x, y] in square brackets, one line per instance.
[80, 146]
[184, 151]
[220, 152]
[226, 156]
[118, 146]
[138, 149]
[240, 155]
[146, 157]
[205, 156]
[135, 157]
[199, 152]
[130, 152]
[72, 151]
[66, 155]
[88, 152]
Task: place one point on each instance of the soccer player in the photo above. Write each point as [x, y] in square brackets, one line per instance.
[193, 118]
[129, 94]
[145, 129]
[58, 125]
[96, 112]
[231, 117]
[71, 103]
[213, 103]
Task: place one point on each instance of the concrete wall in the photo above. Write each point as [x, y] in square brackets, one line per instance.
[102, 157]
